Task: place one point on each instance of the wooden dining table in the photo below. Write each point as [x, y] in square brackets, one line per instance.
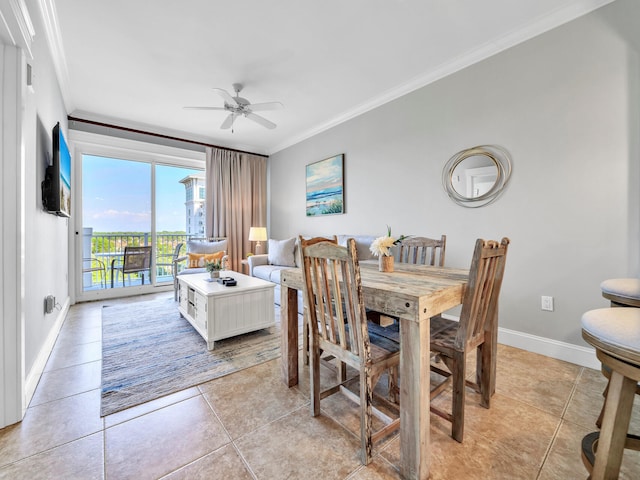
[414, 293]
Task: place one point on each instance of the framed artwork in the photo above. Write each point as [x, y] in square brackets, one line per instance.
[325, 187]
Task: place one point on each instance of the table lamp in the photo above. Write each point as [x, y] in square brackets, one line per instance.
[258, 234]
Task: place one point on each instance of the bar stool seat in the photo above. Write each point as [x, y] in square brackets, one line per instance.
[622, 291]
[615, 334]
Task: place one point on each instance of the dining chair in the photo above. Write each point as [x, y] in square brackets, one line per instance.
[338, 325]
[417, 251]
[477, 329]
[134, 260]
[305, 242]
[422, 251]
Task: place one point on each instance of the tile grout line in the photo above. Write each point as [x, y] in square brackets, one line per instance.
[561, 421]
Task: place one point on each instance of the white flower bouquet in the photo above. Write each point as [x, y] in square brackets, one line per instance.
[381, 246]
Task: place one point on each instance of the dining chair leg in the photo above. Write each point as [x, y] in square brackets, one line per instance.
[314, 377]
[459, 383]
[366, 424]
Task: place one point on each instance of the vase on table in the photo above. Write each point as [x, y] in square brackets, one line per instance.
[385, 263]
[215, 274]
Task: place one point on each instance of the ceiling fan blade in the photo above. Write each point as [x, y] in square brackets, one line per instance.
[228, 121]
[205, 108]
[258, 107]
[225, 95]
[261, 120]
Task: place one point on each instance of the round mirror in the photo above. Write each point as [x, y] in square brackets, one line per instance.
[476, 176]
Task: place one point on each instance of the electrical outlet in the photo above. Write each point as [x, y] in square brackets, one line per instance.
[547, 303]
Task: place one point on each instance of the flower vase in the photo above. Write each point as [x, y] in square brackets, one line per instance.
[385, 263]
[215, 273]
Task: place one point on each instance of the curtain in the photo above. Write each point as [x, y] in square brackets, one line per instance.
[236, 189]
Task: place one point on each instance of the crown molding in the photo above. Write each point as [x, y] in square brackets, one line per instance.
[526, 32]
[56, 48]
[16, 28]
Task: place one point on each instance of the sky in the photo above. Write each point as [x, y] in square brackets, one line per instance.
[116, 195]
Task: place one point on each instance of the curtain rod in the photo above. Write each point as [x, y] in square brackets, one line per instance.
[168, 137]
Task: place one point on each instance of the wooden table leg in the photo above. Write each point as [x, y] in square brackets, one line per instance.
[289, 334]
[415, 449]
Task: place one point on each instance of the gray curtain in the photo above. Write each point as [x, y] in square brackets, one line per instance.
[236, 185]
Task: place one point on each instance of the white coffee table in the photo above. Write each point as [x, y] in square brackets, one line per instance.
[217, 311]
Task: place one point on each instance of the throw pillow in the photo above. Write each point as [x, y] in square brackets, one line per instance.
[201, 246]
[281, 252]
[199, 260]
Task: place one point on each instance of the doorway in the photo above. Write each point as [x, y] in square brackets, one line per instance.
[133, 206]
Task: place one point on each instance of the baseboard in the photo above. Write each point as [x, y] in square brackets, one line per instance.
[583, 356]
[33, 377]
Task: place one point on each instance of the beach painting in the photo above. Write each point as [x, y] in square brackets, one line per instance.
[325, 187]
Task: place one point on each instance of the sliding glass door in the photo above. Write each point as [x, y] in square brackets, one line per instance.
[136, 216]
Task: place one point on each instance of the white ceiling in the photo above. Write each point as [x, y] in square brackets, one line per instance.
[137, 63]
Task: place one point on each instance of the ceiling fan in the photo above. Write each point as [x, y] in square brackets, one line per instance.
[238, 106]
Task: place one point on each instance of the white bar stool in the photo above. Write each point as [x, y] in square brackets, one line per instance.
[615, 334]
[622, 292]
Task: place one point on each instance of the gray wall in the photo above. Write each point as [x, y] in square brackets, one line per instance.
[566, 106]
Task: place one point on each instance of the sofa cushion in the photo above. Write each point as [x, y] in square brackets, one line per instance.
[270, 273]
[282, 252]
[201, 246]
[363, 242]
[189, 271]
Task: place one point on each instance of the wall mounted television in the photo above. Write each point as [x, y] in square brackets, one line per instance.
[56, 186]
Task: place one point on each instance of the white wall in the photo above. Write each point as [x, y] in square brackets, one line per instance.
[46, 236]
[566, 106]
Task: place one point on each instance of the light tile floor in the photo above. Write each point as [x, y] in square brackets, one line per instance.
[248, 425]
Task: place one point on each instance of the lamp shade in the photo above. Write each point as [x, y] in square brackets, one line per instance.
[257, 234]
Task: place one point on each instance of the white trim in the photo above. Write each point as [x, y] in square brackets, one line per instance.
[16, 27]
[12, 165]
[537, 27]
[31, 382]
[54, 39]
[96, 144]
[583, 356]
[155, 129]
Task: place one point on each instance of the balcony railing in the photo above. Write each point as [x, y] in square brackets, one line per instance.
[107, 247]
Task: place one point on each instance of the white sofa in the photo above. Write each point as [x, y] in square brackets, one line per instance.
[284, 254]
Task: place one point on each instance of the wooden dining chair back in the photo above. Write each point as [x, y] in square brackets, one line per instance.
[305, 242]
[338, 326]
[477, 329]
[423, 251]
[135, 260]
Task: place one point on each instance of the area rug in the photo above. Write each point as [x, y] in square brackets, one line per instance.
[149, 351]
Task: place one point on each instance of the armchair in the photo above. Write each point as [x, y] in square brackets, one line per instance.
[199, 252]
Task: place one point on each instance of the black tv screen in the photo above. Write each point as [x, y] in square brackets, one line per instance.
[56, 187]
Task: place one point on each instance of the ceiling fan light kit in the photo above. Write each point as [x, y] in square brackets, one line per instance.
[238, 106]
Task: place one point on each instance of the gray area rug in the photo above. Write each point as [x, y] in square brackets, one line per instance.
[149, 351]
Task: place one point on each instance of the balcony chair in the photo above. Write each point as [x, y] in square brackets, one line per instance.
[134, 260]
[92, 264]
[331, 278]
[199, 252]
[167, 261]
